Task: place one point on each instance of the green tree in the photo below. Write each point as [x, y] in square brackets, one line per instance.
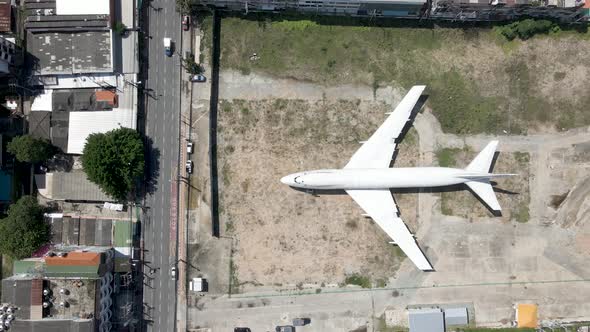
[23, 231]
[30, 149]
[185, 7]
[120, 28]
[114, 161]
[191, 66]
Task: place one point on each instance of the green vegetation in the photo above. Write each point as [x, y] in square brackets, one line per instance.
[483, 329]
[23, 230]
[356, 279]
[114, 161]
[191, 67]
[522, 157]
[30, 149]
[382, 326]
[234, 283]
[522, 214]
[447, 157]
[120, 28]
[186, 7]
[466, 95]
[527, 28]
[381, 283]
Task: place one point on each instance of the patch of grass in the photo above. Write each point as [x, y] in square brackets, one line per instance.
[226, 174]
[383, 327]
[7, 263]
[381, 283]
[485, 329]
[445, 207]
[375, 55]
[447, 157]
[398, 252]
[522, 157]
[522, 214]
[234, 282]
[359, 280]
[225, 106]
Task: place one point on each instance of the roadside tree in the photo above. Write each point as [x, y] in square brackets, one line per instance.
[191, 66]
[31, 149]
[23, 230]
[114, 161]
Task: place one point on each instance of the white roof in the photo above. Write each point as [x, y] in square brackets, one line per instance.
[82, 124]
[43, 101]
[79, 7]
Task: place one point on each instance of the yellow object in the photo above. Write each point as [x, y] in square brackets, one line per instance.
[526, 315]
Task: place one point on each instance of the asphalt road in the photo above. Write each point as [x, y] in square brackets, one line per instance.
[162, 130]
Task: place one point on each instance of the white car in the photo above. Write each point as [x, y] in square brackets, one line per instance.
[189, 147]
[173, 272]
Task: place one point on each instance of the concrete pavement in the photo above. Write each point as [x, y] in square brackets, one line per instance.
[162, 129]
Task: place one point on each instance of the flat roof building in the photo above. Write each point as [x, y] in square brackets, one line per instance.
[423, 320]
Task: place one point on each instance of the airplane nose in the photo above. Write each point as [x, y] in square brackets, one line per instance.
[287, 180]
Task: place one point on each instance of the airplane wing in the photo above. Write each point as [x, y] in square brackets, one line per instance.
[380, 206]
[378, 150]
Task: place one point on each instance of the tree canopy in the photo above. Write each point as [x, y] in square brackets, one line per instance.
[23, 231]
[191, 66]
[114, 161]
[31, 149]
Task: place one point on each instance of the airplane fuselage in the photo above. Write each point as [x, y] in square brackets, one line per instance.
[379, 178]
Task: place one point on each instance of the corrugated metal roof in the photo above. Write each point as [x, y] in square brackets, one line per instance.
[430, 320]
[74, 258]
[71, 271]
[73, 186]
[456, 316]
[82, 124]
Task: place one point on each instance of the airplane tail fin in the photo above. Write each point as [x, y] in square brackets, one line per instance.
[481, 185]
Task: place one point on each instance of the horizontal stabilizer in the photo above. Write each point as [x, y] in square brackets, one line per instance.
[484, 190]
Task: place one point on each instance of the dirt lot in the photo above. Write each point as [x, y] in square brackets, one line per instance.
[286, 236]
[512, 192]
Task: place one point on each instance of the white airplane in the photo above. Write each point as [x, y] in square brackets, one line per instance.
[367, 178]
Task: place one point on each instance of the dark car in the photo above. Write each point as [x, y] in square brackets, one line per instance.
[242, 329]
[186, 22]
[301, 321]
[285, 328]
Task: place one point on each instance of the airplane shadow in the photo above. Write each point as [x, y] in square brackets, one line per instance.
[445, 189]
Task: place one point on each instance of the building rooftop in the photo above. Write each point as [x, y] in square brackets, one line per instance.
[70, 186]
[71, 52]
[5, 17]
[18, 292]
[526, 315]
[430, 320]
[77, 7]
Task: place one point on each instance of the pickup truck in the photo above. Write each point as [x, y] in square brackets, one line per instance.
[168, 46]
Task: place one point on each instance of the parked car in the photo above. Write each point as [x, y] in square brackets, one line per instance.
[189, 147]
[173, 272]
[198, 78]
[186, 22]
[242, 329]
[189, 166]
[285, 328]
[301, 321]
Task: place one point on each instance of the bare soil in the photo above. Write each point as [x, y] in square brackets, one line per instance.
[286, 237]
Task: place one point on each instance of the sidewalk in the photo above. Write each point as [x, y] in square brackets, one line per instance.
[185, 132]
